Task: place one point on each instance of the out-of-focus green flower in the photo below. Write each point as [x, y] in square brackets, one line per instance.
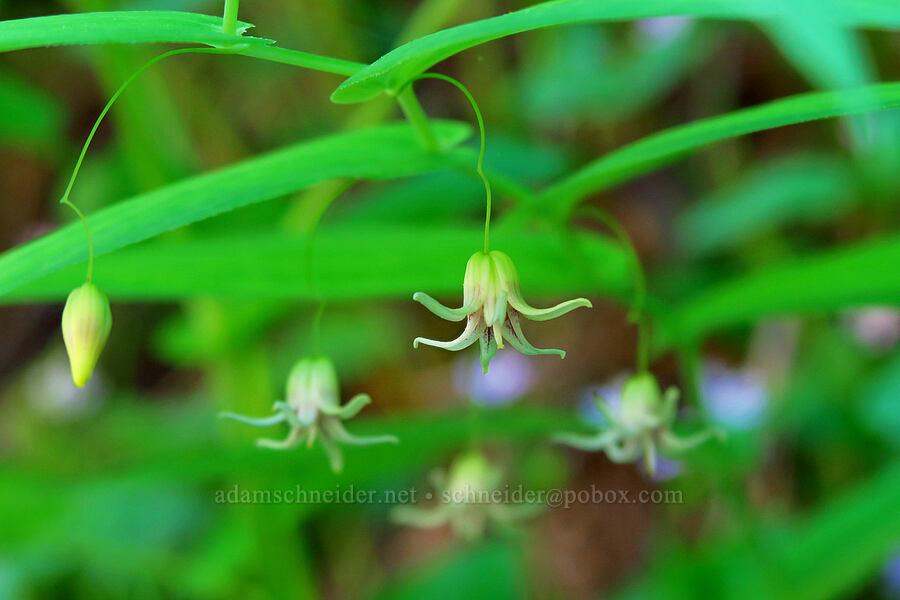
[86, 323]
[467, 500]
[313, 409]
[642, 424]
[492, 303]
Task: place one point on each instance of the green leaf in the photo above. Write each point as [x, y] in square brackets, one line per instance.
[830, 553]
[29, 116]
[789, 189]
[350, 263]
[666, 146]
[394, 69]
[853, 276]
[123, 27]
[377, 153]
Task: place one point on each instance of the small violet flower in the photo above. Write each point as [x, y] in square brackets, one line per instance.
[492, 303]
[313, 407]
[642, 423]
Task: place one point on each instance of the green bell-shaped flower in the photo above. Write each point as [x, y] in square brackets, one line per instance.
[313, 407]
[86, 323]
[641, 425]
[468, 499]
[492, 304]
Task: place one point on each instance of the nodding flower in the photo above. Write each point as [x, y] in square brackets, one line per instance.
[313, 409]
[642, 423]
[468, 500]
[86, 323]
[492, 304]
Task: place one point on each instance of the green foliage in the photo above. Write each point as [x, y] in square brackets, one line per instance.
[117, 499]
[132, 27]
[377, 153]
[841, 278]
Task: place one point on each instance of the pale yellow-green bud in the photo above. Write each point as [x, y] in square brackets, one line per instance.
[86, 323]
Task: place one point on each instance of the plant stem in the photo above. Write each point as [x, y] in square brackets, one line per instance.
[301, 59]
[87, 143]
[636, 311]
[479, 166]
[90, 241]
[229, 17]
[410, 106]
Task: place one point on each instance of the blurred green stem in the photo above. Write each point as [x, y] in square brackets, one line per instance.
[410, 106]
[636, 312]
[229, 17]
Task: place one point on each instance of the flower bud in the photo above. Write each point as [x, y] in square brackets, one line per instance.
[86, 323]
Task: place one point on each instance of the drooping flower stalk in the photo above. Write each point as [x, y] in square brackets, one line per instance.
[492, 300]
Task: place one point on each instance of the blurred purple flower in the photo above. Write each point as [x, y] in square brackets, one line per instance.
[49, 389]
[876, 327]
[663, 29]
[610, 391]
[734, 398]
[891, 576]
[511, 377]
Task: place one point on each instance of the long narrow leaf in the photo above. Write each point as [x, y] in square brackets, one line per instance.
[666, 146]
[397, 67]
[854, 276]
[350, 263]
[124, 27]
[377, 153]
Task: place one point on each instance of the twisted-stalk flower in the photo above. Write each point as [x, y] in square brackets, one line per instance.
[492, 304]
[642, 424]
[467, 500]
[313, 409]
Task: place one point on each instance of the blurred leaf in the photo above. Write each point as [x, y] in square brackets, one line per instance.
[826, 555]
[855, 275]
[350, 263]
[131, 27]
[879, 405]
[572, 77]
[789, 189]
[666, 146]
[375, 153]
[489, 571]
[29, 116]
[394, 69]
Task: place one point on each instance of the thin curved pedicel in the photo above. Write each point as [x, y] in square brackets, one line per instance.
[642, 425]
[313, 411]
[492, 303]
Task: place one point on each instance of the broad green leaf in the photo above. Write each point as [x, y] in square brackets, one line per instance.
[666, 146]
[790, 189]
[350, 263]
[377, 153]
[123, 27]
[396, 68]
[857, 275]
